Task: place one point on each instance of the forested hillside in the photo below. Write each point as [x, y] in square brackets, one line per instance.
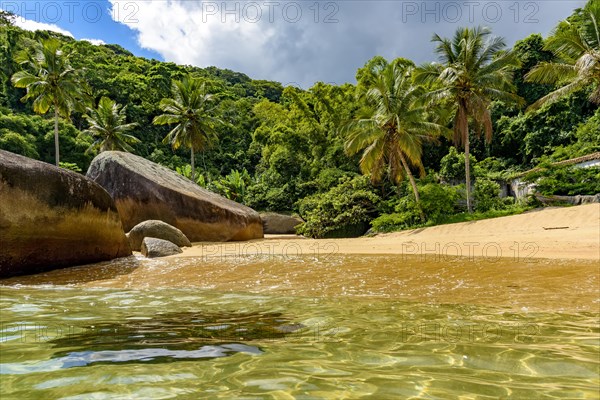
[317, 152]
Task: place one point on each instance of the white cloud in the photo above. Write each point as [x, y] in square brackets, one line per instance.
[95, 42]
[177, 31]
[301, 42]
[30, 25]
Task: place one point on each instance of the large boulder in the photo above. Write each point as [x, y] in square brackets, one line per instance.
[52, 218]
[156, 229]
[153, 248]
[276, 223]
[143, 190]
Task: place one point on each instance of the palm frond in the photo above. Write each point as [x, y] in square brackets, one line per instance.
[551, 72]
[190, 109]
[107, 125]
[557, 94]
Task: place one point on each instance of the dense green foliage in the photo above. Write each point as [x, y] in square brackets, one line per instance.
[286, 149]
[343, 211]
[566, 180]
[437, 201]
[487, 195]
[452, 166]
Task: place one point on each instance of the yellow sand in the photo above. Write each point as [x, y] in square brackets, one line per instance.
[556, 233]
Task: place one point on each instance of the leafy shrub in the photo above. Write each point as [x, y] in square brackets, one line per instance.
[486, 195]
[201, 180]
[587, 137]
[70, 166]
[393, 222]
[507, 202]
[513, 209]
[495, 169]
[329, 178]
[529, 136]
[234, 185]
[566, 180]
[452, 166]
[346, 207]
[437, 202]
[271, 192]
[18, 144]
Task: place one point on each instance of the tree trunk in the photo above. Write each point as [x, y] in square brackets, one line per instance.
[193, 167]
[56, 146]
[468, 173]
[414, 186]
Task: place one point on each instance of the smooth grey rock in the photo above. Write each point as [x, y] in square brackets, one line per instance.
[276, 223]
[156, 229]
[153, 248]
[573, 200]
[144, 190]
[52, 218]
[590, 199]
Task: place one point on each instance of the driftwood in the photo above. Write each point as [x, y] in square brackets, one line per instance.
[573, 200]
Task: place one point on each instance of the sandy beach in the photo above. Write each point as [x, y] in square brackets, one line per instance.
[554, 233]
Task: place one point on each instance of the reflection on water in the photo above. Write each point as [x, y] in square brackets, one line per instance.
[302, 328]
[157, 339]
[177, 331]
[150, 356]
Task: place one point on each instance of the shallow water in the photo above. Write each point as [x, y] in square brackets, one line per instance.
[303, 327]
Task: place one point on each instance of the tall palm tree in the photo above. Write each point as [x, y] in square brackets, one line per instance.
[54, 85]
[108, 127]
[392, 133]
[189, 109]
[577, 47]
[474, 70]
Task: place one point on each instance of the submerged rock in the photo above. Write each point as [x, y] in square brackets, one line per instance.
[156, 229]
[52, 218]
[276, 223]
[144, 190]
[153, 247]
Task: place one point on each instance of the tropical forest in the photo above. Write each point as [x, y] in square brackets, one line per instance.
[405, 146]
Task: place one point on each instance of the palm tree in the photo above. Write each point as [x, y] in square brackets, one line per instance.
[394, 128]
[189, 109]
[55, 84]
[108, 127]
[577, 47]
[474, 70]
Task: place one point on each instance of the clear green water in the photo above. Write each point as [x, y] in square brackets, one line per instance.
[68, 341]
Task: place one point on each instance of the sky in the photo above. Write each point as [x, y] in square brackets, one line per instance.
[293, 42]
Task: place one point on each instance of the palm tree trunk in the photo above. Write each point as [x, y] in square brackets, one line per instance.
[468, 172]
[193, 167]
[56, 146]
[413, 184]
